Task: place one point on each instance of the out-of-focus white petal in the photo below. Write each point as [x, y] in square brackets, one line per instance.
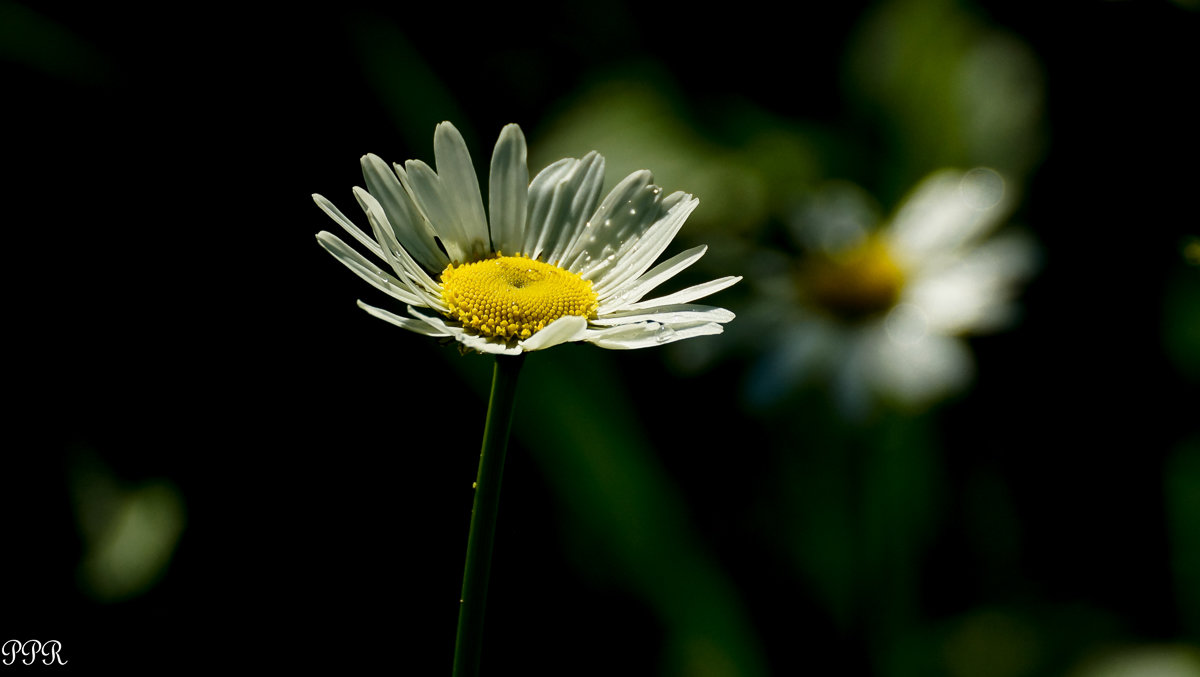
[921, 371]
[948, 210]
[974, 292]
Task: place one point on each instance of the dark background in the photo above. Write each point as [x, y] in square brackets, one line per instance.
[169, 312]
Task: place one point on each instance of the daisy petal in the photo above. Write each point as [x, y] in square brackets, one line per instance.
[409, 226]
[400, 321]
[508, 191]
[396, 255]
[460, 188]
[560, 198]
[632, 263]
[472, 341]
[633, 290]
[553, 255]
[975, 292]
[921, 371]
[948, 210]
[674, 314]
[688, 295]
[373, 274]
[647, 334]
[562, 330]
[438, 209]
[626, 212]
[336, 214]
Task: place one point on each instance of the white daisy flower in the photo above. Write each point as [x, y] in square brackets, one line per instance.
[880, 312]
[550, 262]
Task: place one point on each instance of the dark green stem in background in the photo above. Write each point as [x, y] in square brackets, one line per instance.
[469, 643]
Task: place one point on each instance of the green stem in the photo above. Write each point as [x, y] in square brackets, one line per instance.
[469, 642]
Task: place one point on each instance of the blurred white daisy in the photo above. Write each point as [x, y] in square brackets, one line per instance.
[550, 262]
[879, 312]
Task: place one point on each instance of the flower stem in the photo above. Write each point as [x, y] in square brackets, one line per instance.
[469, 642]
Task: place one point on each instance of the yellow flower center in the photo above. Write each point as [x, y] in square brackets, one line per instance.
[514, 296]
[854, 284]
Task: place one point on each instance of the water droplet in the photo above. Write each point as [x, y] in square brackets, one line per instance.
[665, 334]
[632, 210]
[474, 485]
[607, 222]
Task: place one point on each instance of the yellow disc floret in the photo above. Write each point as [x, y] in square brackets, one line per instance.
[856, 283]
[513, 297]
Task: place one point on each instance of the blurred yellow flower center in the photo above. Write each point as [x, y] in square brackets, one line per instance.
[514, 296]
[854, 284]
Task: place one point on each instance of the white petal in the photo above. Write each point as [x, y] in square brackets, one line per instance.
[373, 274]
[336, 214]
[473, 341]
[634, 261]
[423, 285]
[631, 207]
[647, 334]
[633, 290]
[408, 224]
[508, 191]
[460, 188]
[946, 211]
[562, 330]
[400, 321]
[919, 372]
[697, 291]
[680, 313]
[560, 199]
[974, 292]
[430, 197]
[541, 195]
